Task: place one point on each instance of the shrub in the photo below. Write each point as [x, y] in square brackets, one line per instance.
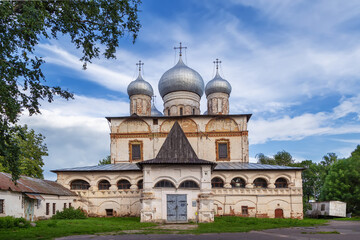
[11, 222]
[70, 213]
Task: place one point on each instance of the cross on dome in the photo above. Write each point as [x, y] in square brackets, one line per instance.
[139, 65]
[217, 63]
[180, 48]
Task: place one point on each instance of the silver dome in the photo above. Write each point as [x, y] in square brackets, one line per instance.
[154, 111]
[217, 84]
[205, 113]
[181, 78]
[140, 86]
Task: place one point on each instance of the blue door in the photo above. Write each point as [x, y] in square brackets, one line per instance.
[176, 208]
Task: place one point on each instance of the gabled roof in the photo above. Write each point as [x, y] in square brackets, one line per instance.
[33, 185]
[176, 150]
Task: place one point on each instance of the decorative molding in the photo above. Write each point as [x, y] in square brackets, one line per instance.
[217, 142]
[188, 134]
[135, 142]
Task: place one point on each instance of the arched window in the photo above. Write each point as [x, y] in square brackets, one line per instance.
[193, 111]
[168, 112]
[140, 184]
[238, 183]
[104, 185]
[189, 184]
[217, 183]
[181, 111]
[281, 183]
[79, 185]
[260, 183]
[123, 184]
[164, 184]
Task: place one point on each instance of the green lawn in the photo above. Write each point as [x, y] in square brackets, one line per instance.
[48, 229]
[347, 219]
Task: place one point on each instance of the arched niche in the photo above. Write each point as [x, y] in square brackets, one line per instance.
[133, 126]
[187, 125]
[222, 125]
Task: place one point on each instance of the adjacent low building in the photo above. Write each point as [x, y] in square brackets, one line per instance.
[327, 209]
[32, 198]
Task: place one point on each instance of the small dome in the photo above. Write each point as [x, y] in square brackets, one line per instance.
[154, 111]
[205, 113]
[181, 78]
[217, 84]
[140, 86]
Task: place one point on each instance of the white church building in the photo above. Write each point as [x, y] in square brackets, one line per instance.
[181, 165]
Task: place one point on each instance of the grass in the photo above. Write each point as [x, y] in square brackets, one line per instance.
[347, 219]
[48, 229]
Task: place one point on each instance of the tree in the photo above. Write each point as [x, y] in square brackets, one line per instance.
[32, 150]
[105, 161]
[90, 24]
[343, 182]
[281, 158]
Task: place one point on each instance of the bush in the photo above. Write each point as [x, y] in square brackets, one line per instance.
[11, 222]
[70, 213]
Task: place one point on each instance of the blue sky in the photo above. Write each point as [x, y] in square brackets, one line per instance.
[295, 65]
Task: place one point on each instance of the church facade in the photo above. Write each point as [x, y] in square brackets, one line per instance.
[181, 165]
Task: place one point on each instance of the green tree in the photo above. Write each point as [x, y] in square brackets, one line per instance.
[343, 182]
[281, 158]
[105, 161]
[90, 24]
[32, 150]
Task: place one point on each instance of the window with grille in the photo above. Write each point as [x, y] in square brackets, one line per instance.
[281, 183]
[222, 150]
[260, 183]
[47, 208]
[217, 183]
[54, 208]
[189, 184]
[2, 205]
[123, 184]
[164, 184]
[238, 183]
[79, 185]
[135, 149]
[244, 210]
[104, 185]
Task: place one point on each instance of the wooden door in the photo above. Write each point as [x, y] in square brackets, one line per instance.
[279, 213]
[176, 208]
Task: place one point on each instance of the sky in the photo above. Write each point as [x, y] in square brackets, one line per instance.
[294, 65]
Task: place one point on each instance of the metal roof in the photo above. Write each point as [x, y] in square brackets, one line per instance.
[33, 185]
[236, 166]
[102, 168]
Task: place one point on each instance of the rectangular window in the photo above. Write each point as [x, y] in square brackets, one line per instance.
[244, 210]
[222, 150]
[1, 205]
[135, 150]
[64, 205]
[322, 207]
[69, 204]
[54, 208]
[47, 208]
[109, 212]
[155, 121]
[181, 111]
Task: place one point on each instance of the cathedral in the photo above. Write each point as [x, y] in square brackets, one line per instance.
[181, 165]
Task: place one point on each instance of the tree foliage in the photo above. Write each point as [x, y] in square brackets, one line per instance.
[281, 158]
[343, 182]
[32, 150]
[105, 161]
[90, 24]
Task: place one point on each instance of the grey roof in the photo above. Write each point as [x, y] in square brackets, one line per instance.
[102, 168]
[235, 166]
[140, 86]
[217, 84]
[176, 150]
[181, 78]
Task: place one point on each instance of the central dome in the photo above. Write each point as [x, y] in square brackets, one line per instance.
[181, 78]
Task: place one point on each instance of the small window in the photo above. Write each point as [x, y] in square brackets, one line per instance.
[54, 208]
[155, 121]
[79, 185]
[109, 212]
[104, 185]
[189, 184]
[164, 184]
[181, 111]
[135, 149]
[193, 111]
[64, 205]
[244, 210]
[222, 150]
[47, 208]
[168, 112]
[2, 205]
[217, 183]
[69, 204]
[322, 207]
[281, 183]
[140, 184]
[260, 183]
[238, 183]
[123, 184]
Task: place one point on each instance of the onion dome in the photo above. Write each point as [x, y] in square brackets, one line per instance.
[140, 86]
[205, 113]
[181, 78]
[217, 84]
[154, 111]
